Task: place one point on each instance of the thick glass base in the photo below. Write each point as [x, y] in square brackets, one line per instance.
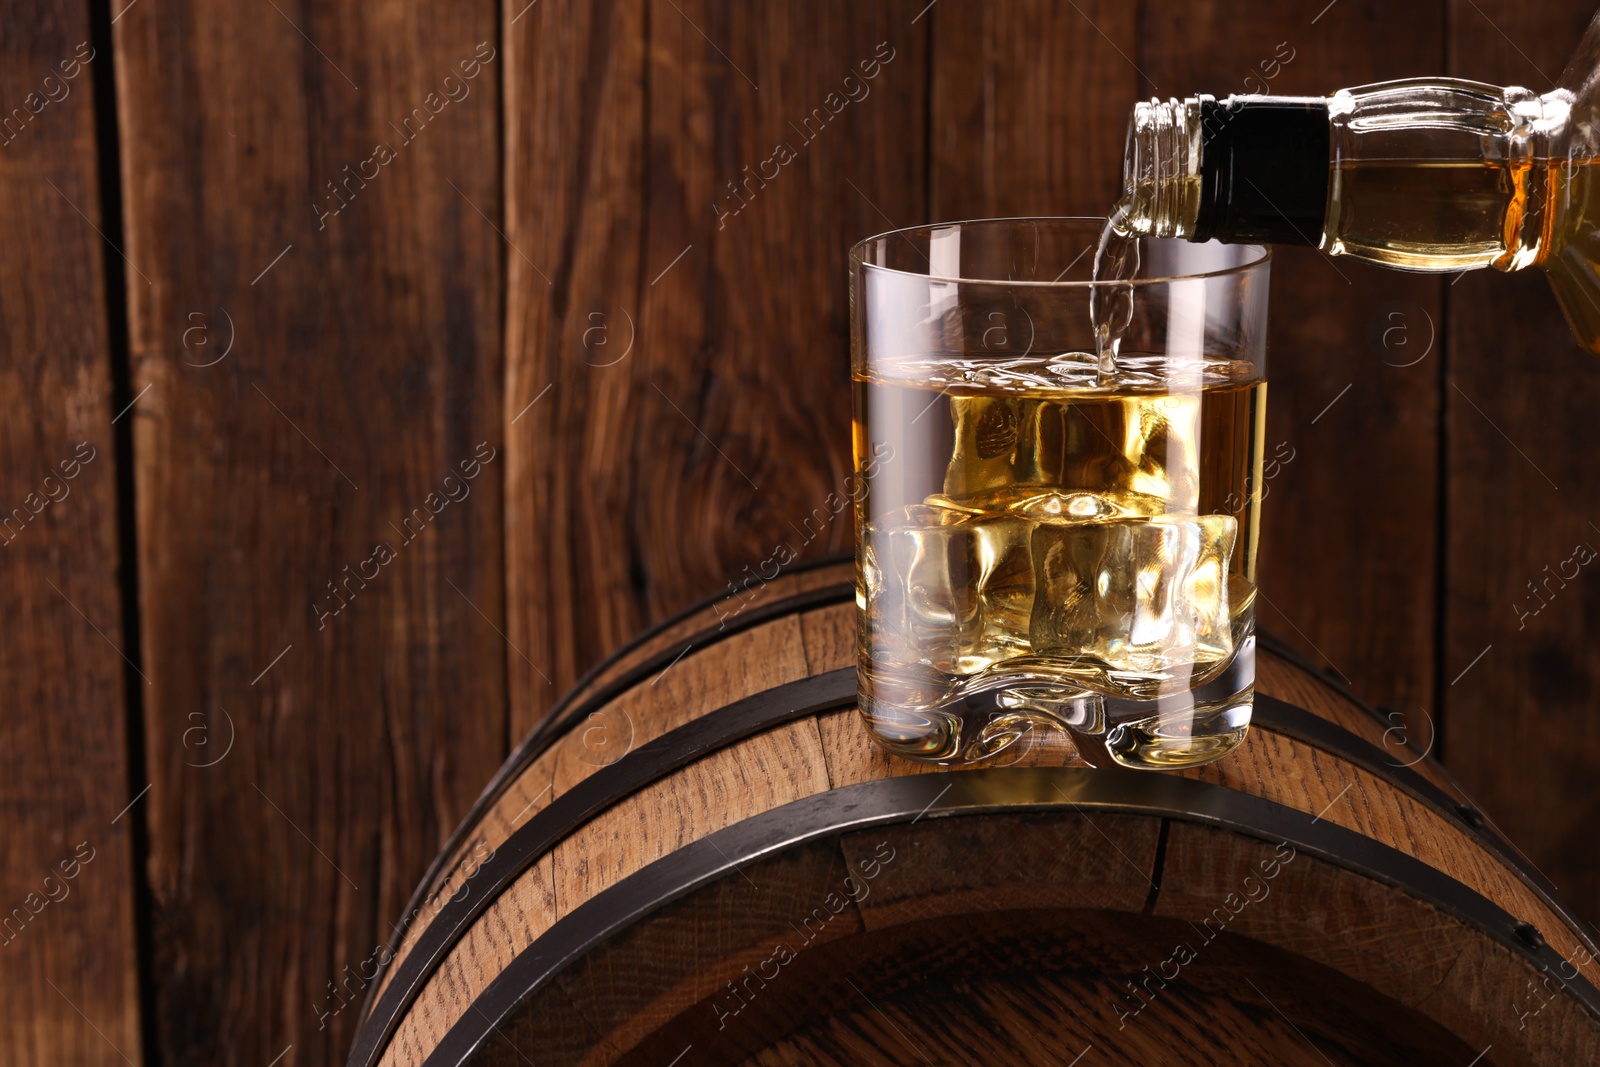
[993, 712]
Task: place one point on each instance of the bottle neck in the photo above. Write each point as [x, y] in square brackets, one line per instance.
[1243, 169]
[1161, 169]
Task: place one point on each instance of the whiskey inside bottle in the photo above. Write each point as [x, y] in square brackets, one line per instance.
[1442, 216]
[1433, 215]
[1075, 542]
[1422, 215]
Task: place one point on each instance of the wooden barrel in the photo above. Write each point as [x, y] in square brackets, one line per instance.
[701, 859]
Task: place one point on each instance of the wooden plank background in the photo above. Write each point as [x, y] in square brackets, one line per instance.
[426, 354]
[68, 669]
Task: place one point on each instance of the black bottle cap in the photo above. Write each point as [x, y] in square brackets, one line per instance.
[1263, 169]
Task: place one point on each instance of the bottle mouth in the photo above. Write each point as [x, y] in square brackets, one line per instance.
[1161, 168]
[1051, 251]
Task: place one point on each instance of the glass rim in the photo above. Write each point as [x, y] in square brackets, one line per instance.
[1264, 257]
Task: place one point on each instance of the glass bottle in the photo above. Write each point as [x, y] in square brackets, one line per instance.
[1425, 174]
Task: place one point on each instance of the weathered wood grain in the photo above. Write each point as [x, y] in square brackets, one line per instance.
[1042, 995]
[1521, 673]
[526, 910]
[944, 972]
[1402, 738]
[741, 666]
[1296, 775]
[693, 336]
[68, 958]
[608, 734]
[1473, 987]
[772, 769]
[1029, 107]
[752, 594]
[357, 293]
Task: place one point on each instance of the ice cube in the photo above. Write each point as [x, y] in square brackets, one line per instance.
[987, 430]
[1160, 438]
[953, 589]
[1142, 595]
[1005, 590]
[1143, 445]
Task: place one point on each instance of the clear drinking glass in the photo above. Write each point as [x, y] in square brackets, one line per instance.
[1058, 489]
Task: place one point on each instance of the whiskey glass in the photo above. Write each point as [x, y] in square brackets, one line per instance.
[1057, 489]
